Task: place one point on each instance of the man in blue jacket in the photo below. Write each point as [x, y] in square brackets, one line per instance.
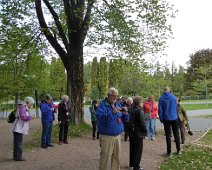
[167, 110]
[110, 117]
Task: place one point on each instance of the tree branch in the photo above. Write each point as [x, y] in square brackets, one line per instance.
[68, 12]
[48, 34]
[87, 18]
[58, 24]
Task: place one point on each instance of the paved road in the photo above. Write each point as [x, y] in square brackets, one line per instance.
[196, 124]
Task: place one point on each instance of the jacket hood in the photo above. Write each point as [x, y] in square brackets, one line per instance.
[166, 95]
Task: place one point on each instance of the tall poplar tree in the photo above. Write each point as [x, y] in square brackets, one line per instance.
[103, 77]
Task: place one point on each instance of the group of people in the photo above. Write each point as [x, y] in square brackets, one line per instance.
[21, 124]
[137, 119]
[110, 118]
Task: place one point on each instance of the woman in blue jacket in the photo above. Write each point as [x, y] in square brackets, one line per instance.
[47, 118]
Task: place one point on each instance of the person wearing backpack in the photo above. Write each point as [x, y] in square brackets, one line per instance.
[137, 131]
[20, 127]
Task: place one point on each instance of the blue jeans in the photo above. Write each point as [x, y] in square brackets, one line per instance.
[17, 145]
[46, 138]
[150, 127]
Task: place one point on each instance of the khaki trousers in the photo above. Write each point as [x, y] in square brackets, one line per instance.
[110, 152]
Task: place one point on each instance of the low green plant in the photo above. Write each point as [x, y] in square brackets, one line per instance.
[193, 157]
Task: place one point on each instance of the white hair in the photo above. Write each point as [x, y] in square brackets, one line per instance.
[112, 90]
[29, 99]
[65, 98]
[129, 99]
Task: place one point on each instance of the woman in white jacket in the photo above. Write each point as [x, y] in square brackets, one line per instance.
[21, 126]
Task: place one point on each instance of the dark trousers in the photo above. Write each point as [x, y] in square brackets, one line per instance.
[182, 130]
[17, 145]
[63, 131]
[168, 125]
[126, 133]
[46, 138]
[94, 124]
[136, 149]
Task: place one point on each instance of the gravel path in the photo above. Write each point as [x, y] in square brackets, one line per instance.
[80, 154]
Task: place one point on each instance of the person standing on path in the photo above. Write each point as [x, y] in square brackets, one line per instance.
[182, 117]
[20, 127]
[110, 125]
[92, 110]
[63, 119]
[47, 118]
[137, 131]
[167, 110]
[126, 124]
[151, 113]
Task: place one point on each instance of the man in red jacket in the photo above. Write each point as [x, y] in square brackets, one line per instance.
[151, 113]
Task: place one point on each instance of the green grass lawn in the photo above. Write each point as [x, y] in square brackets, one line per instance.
[192, 157]
[197, 106]
[74, 131]
[207, 140]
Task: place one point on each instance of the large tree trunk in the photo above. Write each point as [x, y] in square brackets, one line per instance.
[75, 82]
[71, 52]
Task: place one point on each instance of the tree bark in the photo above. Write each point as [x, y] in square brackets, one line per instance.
[75, 82]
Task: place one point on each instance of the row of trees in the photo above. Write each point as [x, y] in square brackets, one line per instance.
[140, 78]
[30, 74]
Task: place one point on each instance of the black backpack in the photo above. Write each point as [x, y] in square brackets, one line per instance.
[11, 118]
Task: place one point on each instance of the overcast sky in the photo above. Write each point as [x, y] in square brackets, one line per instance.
[192, 30]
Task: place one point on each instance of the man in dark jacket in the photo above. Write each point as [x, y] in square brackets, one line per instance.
[63, 119]
[137, 131]
[167, 110]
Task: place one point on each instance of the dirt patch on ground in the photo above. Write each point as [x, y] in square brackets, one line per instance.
[80, 154]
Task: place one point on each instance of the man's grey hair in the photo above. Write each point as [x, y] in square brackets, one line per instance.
[112, 90]
[47, 97]
[166, 89]
[65, 98]
[29, 99]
